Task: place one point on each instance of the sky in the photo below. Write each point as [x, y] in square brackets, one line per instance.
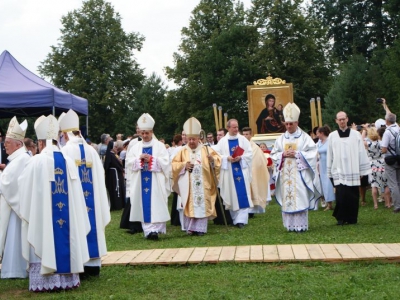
[28, 28]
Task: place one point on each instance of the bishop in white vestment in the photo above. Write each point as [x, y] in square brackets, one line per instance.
[295, 158]
[55, 218]
[149, 168]
[91, 172]
[13, 263]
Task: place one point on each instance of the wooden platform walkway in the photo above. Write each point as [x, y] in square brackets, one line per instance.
[257, 253]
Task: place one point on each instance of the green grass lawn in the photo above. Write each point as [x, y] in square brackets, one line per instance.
[354, 280]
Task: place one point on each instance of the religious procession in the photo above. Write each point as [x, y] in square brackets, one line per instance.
[57, 194]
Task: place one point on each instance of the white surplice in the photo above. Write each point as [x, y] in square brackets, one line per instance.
[13, 265]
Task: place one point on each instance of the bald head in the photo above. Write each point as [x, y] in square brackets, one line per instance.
[341, 120]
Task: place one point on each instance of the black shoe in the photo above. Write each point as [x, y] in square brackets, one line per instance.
[131, 231]
[240, 225]
[251, 215]
[340, 222]
[396, 210]
[200, 233]
[152, 236]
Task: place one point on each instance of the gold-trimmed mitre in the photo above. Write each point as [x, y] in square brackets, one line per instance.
[46, 128]
[69, 121]
[146, 122]
[192, 127]
[291, 112]
[15, 130]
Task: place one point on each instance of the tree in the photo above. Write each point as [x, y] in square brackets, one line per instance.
[150, 98]
[359, 27]
[214, 64]
[294, 47]
[354, 91]
[94, 60]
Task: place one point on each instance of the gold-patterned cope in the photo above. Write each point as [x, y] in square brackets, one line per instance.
[269, 81]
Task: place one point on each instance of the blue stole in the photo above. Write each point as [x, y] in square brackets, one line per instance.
[238, 178]
[61, 229]
[146, 188]
[85, 173]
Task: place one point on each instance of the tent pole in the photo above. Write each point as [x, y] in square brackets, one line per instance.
[87, 126]
[54, 111]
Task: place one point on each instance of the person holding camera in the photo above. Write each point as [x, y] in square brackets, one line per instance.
[392, 169]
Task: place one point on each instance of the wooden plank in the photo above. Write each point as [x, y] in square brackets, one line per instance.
[361, 252]
[153, 256]
[141, 257]
[127, 258]
[107, 255]
[346, 252]
[389, 253]
[227, 253]
[330, 252]
[242, 254]
[315, 252]
[197, 255]
[285, 252]
[300, 252]
[212, 255]
[256, 253]
[111, 259]
[395, 248]
[373, 250]
[166, 256]
[270, 253]
[182, 256]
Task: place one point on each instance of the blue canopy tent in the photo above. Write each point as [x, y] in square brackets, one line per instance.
[22, 93]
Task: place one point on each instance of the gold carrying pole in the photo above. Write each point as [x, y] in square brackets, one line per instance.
[220, 116]
[225, 120]
[319, 112]
[216, 117]
[313, 113]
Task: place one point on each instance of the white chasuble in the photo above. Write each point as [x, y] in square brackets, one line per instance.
[295, 190]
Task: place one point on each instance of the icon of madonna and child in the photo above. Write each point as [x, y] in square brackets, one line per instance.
[271, 118]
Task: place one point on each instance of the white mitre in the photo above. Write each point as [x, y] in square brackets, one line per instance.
[192, 127]
[17, 131]
[69, 121]
[46, 128]
[146, 122]
[291, 112]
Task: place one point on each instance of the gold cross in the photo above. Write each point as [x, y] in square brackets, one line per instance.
[146, 190]
[61, 222]
[146, 179]
[60, 205]
[238, 178]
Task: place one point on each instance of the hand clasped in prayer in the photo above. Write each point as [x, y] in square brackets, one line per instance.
[145, 157]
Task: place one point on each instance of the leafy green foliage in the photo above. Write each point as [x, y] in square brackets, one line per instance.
[359, 27]
[214, 65]
[294, 47]
[355, 91]
[94, 60]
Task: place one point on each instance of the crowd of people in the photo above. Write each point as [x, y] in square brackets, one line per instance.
[56, 195]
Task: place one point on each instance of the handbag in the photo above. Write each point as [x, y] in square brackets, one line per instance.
[391, 159]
